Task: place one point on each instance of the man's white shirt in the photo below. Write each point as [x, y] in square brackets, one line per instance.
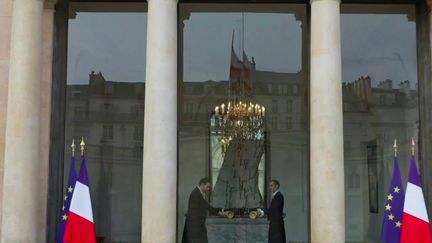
[273, 194]
[202, 193]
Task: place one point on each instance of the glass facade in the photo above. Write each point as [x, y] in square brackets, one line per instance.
[380, 104]
[271, 38]
[106, 63]
[105, 105]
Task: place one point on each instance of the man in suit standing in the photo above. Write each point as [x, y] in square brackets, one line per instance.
[195, 230]
[275, 214]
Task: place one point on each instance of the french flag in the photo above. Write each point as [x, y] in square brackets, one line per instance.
[80, 226]
[415, 221]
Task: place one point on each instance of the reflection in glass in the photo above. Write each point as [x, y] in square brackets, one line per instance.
[105, 105]
[237, 171]
[273, 37]
[380, 103]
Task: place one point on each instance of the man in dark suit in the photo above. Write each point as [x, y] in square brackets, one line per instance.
[275, 214]
[195, 230]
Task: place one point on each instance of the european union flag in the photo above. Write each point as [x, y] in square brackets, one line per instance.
[392, 221]
[67, 200]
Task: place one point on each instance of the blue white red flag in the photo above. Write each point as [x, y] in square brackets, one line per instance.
[67, 200]
[80, 227]
[415, 221]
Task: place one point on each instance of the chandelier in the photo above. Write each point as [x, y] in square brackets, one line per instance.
[239, 120]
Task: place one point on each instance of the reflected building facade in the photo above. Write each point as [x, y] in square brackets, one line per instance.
[115, 148]
[335, 102]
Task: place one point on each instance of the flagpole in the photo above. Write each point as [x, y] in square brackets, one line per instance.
[243, 61]
[229, 79]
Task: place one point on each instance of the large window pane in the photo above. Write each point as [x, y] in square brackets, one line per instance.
[272, 38]
[105, 105]
[380, 102]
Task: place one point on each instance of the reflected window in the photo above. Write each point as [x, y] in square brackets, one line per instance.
[139, 133]
[274, 123]
[79, 112]
[288, 123]
[347, 147]
[289, 106]
[189, 108]
[107, 132]
[137, 152]
[382, 99]
[295, 89]
[138, 110]
[108, 108]
[275, 106]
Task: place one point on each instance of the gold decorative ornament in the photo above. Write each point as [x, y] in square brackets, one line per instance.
[413, 147]
[253, 214]
[82, 145]
[73, 147]
[229, 214]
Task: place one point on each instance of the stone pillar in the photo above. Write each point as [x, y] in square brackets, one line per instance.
[23, 208]
[160, 125]
[326, 135]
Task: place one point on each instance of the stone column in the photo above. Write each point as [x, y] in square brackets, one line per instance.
[23, 209]
[327, 159]
[160, 125]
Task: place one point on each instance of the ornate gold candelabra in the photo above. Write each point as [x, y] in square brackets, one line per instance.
[239, 120]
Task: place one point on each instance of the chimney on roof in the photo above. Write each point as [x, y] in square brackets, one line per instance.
[404, 87]
[367, 92]
[96, 79]
[362, 88]
[386, 84]
[253, 64]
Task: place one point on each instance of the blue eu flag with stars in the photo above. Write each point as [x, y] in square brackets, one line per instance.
[392, 216]
[67, 200]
